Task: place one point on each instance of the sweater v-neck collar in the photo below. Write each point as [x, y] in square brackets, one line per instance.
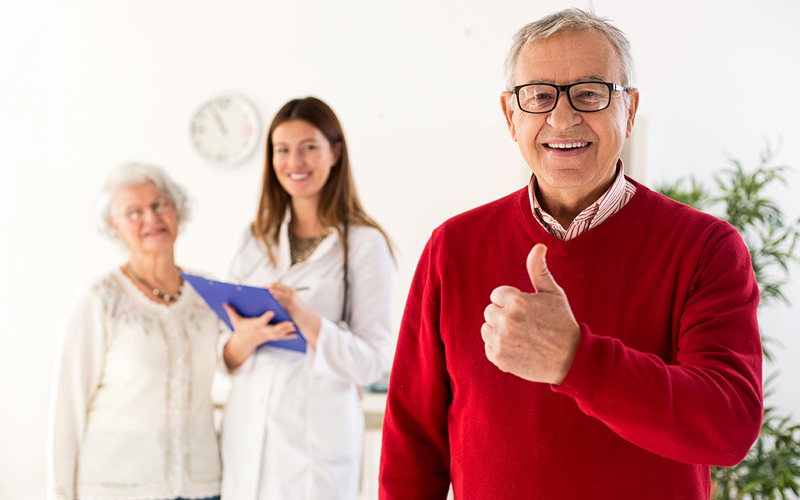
[617, 222]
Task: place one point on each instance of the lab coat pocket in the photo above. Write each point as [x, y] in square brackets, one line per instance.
[336, 420]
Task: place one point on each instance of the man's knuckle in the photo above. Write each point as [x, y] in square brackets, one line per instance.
[518, 301]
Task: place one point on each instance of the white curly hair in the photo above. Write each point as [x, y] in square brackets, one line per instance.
[134, 174]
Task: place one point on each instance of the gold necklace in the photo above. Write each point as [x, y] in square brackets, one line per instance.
[301, 248]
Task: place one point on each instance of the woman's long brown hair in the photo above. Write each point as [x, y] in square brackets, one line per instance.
[338, 204]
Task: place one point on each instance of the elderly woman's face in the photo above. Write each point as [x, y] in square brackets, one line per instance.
[144, 219]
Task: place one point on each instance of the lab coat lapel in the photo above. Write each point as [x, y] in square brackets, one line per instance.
[325, 246]
[284, 253]
[284, 257]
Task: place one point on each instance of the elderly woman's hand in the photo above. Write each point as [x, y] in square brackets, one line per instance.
[249, 333]
[307, 320]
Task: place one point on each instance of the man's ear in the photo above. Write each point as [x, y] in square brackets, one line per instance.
[632, 107]
[507, 104]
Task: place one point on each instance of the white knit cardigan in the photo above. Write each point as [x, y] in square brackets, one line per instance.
[131, 414]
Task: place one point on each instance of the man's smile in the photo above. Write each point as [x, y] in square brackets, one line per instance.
[567, 145]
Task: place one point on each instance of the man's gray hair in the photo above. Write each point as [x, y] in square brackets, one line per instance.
[571, 20]
[134, 174]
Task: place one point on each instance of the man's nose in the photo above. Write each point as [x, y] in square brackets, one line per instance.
[564, 115]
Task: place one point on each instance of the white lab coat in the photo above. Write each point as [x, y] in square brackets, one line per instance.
[293, 425]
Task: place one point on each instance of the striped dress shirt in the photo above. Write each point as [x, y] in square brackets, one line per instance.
[620, 192]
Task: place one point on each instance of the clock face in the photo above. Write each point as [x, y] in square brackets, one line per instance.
[225, 130]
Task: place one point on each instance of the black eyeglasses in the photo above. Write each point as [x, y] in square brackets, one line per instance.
[586, 97]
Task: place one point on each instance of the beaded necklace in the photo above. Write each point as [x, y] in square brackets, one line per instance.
[156, 291]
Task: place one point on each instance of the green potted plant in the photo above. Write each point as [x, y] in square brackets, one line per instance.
[772, 467]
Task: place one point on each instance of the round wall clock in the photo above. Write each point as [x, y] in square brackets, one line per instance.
[225, 130]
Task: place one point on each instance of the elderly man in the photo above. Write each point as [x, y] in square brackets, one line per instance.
[583, 337]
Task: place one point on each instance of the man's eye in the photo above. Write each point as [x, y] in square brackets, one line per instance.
[590, 94]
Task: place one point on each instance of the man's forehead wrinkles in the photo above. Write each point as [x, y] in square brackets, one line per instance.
[590, 78]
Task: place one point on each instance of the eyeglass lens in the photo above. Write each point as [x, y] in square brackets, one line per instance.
[540, 98]
[158, 207]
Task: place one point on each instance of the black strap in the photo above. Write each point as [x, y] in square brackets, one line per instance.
[346, 283]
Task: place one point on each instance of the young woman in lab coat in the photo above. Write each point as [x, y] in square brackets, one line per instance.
[293, 426]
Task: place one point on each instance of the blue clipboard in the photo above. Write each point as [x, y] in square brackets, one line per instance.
[250, 301]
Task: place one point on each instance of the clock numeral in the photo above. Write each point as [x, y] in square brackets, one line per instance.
[198, 129]
[222, 157]
[223, 102]
[248, 129]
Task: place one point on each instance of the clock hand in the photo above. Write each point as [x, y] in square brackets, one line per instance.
[219, 122]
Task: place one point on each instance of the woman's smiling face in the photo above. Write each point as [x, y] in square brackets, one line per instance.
[302, 158]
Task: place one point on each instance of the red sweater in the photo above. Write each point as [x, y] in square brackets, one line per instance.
[666, 379]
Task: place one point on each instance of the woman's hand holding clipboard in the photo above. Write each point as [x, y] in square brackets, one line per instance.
[253, 313]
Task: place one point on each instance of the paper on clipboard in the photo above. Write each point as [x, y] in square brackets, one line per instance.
[249, 301]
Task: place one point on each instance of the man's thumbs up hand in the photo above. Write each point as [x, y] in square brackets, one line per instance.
[541, 279]
[532, 335]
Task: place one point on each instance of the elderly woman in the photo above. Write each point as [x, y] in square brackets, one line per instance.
[131, 414]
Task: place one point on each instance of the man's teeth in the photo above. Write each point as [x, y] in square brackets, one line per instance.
[569, 145]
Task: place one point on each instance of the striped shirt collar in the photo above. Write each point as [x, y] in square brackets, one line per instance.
[617, 196]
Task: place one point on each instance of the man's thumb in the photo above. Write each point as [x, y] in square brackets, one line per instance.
[541, 279]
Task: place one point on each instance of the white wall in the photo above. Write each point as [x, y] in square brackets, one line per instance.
[88, 84]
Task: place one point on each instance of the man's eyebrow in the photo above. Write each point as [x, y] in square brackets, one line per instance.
[591, 78]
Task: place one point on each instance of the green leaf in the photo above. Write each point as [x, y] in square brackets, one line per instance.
[695, 196]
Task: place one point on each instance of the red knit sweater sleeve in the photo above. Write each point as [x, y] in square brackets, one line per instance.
[415, 454]
[706, 406]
